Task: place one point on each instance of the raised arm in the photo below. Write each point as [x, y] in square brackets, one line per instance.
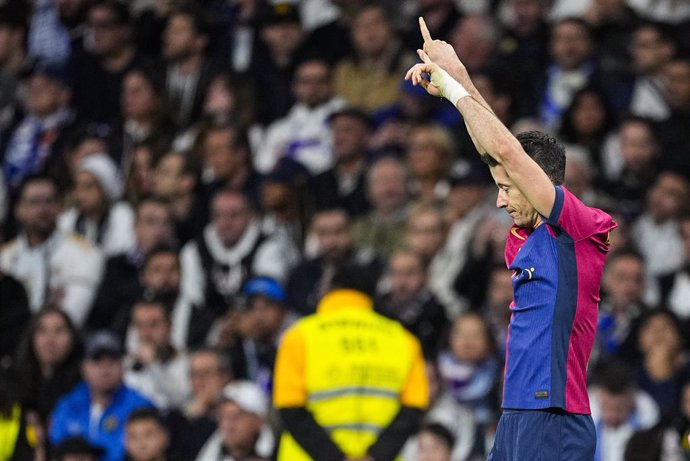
[488, 132]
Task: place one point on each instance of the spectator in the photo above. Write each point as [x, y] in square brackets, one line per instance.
[333, 39]
[210, 371]
[580, 178]
[303, 134]
[440, 16]
[98, 215]
[329, 413]
[409, 300]
[430, 152]
[343, 185]
[34, 143]
[458, 419]
[370, 79]
[48, 360]
[139, 184]
[155, 368]
[524, 47]
[655, 232]
[110, 53]
[224, 150]
[334, 246]
[146, 437]
[274, 59]
[571, 53]
[13, 61]
[435, 443]
[252, 337]
[470, 367]
[618, 410]
[425, 232]
[14, 316]
[232, 248]
[176, 181]
[586, 122]
[475, 37]
[662, 366]
[656, 444]
[623, 286]
[52, 265]
[98, 407]
[651, 47]
[152, 229]
[381, 230]
[467, 206]
[242, 413]
[145, 117]
[674, 142]
[188, 71]
[283, 200]
[630, 164]
[77, 449]
[674, 287]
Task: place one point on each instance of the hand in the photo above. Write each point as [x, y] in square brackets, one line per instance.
[440, 52]
[441, 84]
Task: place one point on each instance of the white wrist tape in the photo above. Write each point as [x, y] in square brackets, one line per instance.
[450, 88]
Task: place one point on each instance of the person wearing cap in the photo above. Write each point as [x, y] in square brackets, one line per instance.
[303, 133]
[252, 336]
[98, 214]
[53, 265]
[242, 434]
[344, 184]
[76, 449]
[348, 383]
[35, 141]
[97, 408]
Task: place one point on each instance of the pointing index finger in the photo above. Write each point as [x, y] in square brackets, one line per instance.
[425, 30]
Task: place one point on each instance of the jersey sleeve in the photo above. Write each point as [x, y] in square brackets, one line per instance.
[577, 219]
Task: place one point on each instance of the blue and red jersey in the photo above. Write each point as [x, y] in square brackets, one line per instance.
[557, 271]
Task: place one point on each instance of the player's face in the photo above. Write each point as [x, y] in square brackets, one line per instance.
[511, 199]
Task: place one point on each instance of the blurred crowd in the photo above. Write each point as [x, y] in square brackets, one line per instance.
[181, 181]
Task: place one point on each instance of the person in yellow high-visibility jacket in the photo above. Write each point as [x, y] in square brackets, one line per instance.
[349, 383]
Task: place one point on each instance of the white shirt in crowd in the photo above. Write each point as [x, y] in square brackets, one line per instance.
[166, 384]
[65, 268]
[303, 134]
[118, 231]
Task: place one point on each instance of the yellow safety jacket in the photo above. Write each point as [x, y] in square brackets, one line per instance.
[9, 433]
[352, 369]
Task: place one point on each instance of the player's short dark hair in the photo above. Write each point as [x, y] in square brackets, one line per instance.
[440, 431]
[146, 414]
[545, 150]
